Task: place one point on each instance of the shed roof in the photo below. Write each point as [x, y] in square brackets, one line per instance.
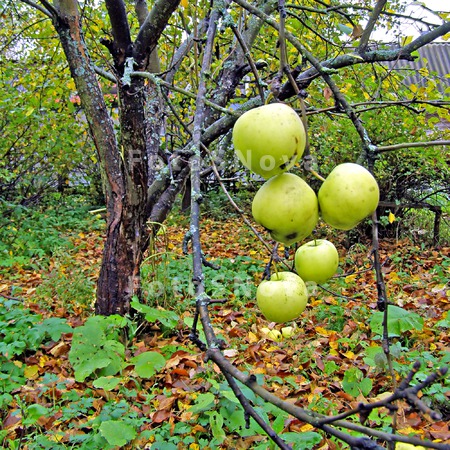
[435, 57]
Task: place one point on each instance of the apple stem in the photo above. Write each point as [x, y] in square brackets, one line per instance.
[274, 253]
[317, 175]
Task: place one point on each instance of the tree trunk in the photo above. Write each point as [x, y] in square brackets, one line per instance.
[124, 168]
[126, 238]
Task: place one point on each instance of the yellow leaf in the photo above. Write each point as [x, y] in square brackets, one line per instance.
[350, 278]
[56, 437]
[350, 355]
[252, 337]
[324, 332]
[407, 40]
[391, 217]
[307, 427]
[394, 276]
[184, 3]
[31, 372]
[410, 431]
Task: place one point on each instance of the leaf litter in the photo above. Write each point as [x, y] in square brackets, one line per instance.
[322, 366]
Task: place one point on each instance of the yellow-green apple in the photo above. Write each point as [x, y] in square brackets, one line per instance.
[348, 195]
[269, 139]
[283, 297]
[287, 332]
[287, 207]
[274, 334]
[405, 446]
[317, 260]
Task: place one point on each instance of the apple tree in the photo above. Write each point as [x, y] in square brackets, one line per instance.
[184, 73]
[152, 56]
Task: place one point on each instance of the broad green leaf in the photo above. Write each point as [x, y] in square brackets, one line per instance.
[354, 382]
[302, 441]
[55, 327]
[399, 320]
[35, 411]
[117, 432]
[216, 423]
[366, 386]
[167, 318]
[93, 349]
[86, 367]
[148, 364]
[106, 383]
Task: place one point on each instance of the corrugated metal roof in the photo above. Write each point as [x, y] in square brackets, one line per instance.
[434, 60]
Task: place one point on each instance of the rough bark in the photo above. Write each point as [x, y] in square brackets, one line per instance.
[123, 158]
[68, 26]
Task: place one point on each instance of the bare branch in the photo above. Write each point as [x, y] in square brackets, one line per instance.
[390, 148]
[370, 25]
[152, 29]
[44, 10]
[120, 30]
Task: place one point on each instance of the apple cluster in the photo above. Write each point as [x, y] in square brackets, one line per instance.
[270, 140]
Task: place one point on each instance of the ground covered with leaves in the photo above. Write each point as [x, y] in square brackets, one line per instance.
[72, 380]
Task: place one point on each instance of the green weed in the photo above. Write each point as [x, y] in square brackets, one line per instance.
[28, 236]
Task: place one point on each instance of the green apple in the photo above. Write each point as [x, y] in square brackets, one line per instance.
[316, 260]
[283, 297]
[348, 195]
[287, 207]
[269, 139]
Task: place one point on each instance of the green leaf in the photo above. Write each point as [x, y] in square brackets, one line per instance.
[399, 320]
[330, 367]
[35, 411]
[366, 386]
[354, 382]
[148, 363]
[117, 432]
[189, 322]
[345, 29]
[445, 322]
[168, 319]
[302, 441]
[106, 383]
[216, 423]
[203, 402]
[55, 327]
[279, 423]
[86, 367]
[95, 348]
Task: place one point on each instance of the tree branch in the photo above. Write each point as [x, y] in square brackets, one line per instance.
[390, 148]
[47, 9]
[364, 41]
[152, 29]
[121, 48]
